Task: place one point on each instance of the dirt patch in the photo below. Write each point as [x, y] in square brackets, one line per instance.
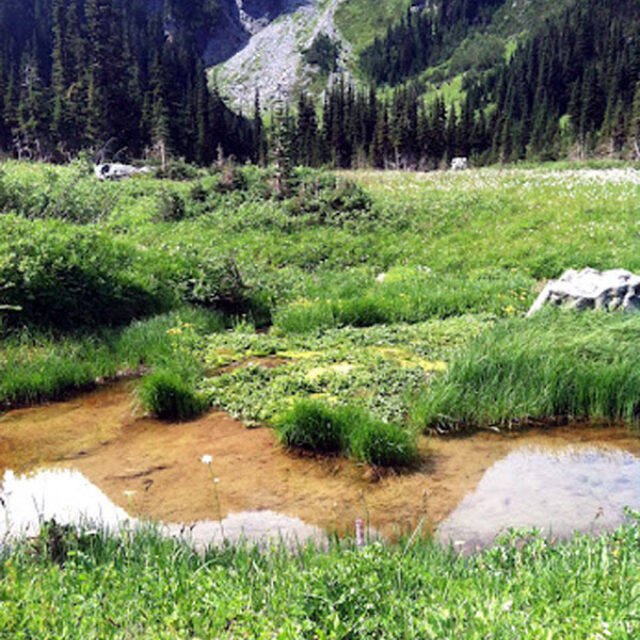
[268, 362]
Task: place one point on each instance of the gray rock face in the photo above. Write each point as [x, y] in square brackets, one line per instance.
[592, 289]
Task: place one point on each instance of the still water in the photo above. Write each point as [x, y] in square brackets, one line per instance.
[96, 460]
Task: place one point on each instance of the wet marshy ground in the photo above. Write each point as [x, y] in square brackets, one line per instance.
[110, 463]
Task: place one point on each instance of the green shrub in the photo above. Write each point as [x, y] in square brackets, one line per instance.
[170, 395]
[313, 425]
[65, 276]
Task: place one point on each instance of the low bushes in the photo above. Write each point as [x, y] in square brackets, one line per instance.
[555, 364]
[316, 426]
[65, 276]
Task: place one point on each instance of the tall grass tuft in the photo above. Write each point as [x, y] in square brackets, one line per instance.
[316, 426]
[381, 443]
[313, 425]
[171, 395]
[556, 364]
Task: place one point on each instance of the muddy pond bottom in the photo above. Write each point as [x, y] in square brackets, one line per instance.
[95, 460]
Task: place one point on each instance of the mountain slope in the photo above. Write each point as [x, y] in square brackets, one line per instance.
[273, 61]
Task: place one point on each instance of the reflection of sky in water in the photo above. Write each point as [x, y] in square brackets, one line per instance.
[69, 498]
[578, 489]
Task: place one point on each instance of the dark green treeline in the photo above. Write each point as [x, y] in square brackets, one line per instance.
[576, 82]
[571, 88]
[110, 75]
[423, 38]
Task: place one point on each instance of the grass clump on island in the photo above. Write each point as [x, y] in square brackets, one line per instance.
[316, 426]
[558, 363]
[142, 585]
[170, 394]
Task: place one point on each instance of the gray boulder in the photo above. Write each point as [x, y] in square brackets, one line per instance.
[459, 164]
[117, 171]
[592, 289]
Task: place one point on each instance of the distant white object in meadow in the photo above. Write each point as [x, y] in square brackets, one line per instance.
[116, 171]
[592, 289]
[460, 163]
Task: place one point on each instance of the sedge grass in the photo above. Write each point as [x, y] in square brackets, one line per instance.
[584, 366]
[36, 366]
[144, 586]
[404, 294]
[316, 426]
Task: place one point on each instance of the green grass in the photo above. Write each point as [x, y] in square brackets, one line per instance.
[316, 426]
[380, 443]
[356, 298]
[37, 366]
[585, 366]
[142, 586]
[170, 394]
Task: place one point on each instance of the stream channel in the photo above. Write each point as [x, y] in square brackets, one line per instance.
[94, 459]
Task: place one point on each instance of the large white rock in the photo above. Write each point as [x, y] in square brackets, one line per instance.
[592, 289]
[117, 171]
[460, 163]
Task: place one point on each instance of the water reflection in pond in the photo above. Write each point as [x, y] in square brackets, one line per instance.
[585, 489]
[67, 497]
[152, 470]
[63, 495]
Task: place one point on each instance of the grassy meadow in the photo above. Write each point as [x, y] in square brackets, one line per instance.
[350, 312]
[142, 586]
[371, 284]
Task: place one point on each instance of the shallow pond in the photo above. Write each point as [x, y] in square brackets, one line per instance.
[98, 460]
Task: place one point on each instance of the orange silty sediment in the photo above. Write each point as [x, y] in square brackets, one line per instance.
[153, 469]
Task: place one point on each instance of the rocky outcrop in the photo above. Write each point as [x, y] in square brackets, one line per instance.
[592, 289]
[271, 59]
[460, 163]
